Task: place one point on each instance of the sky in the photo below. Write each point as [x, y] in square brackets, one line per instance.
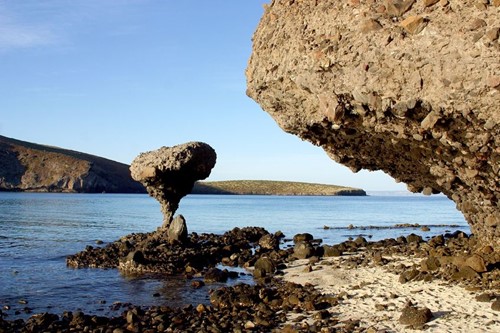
[115, 78]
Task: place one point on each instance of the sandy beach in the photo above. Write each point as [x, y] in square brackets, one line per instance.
[375, 296]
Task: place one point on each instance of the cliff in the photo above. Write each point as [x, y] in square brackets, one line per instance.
[269, 187]
[27, 166]
[408, 87]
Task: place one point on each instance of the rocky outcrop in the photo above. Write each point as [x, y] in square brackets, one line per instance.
[408, 87]
[26, 166]
[169, 173]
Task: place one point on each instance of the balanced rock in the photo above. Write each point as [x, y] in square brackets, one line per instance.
[417, 98]
[169, 173]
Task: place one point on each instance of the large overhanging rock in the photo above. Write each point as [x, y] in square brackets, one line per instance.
[169, 173]
[408, 87]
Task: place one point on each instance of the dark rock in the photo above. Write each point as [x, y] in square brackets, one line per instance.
[269, 242]
[303, 250]
[305, 237]
[412, 238]
[331, 251]
[496, 305]
[216, 275]
[265, 266]
[465, 273]
[430, 264]
[484, 297]
[414, 316]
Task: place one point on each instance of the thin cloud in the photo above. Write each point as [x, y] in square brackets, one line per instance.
[15, 34]
[12, 36]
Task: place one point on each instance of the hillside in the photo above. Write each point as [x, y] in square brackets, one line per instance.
[26, 166]
[268, 187]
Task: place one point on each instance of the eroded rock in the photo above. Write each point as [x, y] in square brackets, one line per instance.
[169, 173]
[417, 97]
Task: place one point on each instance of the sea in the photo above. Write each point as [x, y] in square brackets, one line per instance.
[39, 230]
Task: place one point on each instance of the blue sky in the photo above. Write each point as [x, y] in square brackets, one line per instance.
[118, 77]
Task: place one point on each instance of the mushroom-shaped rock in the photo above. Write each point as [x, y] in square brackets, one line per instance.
[169, 173]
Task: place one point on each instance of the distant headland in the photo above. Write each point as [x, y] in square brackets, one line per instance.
[31, 167]
[270, 187]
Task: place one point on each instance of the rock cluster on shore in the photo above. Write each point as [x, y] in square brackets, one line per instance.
[410, 87]
[271, 304]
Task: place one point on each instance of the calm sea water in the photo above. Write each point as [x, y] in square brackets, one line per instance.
[38, 231]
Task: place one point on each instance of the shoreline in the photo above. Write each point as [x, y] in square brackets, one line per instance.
[328, 287]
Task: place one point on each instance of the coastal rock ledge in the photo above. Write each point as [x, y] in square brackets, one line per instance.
[408, 87]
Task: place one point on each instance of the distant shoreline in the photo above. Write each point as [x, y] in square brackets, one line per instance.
[272, 187]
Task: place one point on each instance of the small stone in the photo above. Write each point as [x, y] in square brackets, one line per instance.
[398, 7]
[430, 264]
[496, 3]
[414, 316]
[249, 325]
[484, 297]
[464, 273]
[494, 81]
[414, 24]
[428, 3]
[425, 228]
[496, 305]
[200, 308]
[477, 23]
[370, 25]
[476, 262]
[492, 34]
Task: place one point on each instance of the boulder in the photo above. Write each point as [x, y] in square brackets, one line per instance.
[415, 95]
[177, 230]
[264, 267]
[169, 173]
[415, 316]
[303, 250]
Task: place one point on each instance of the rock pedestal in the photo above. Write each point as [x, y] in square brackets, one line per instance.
[169, 173]
[408, 87]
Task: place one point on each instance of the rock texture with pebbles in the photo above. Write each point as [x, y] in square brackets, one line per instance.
[169, 173]
[408, 87]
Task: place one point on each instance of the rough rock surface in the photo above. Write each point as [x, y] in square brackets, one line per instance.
[169, 173]
[408, 87]
[26, 166]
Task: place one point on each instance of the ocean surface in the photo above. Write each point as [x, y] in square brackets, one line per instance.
[38, 231]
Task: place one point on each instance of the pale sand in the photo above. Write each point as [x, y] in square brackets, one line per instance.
[455, 309]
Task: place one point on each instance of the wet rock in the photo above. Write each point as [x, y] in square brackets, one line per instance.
[169, 173]
[216, 275]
